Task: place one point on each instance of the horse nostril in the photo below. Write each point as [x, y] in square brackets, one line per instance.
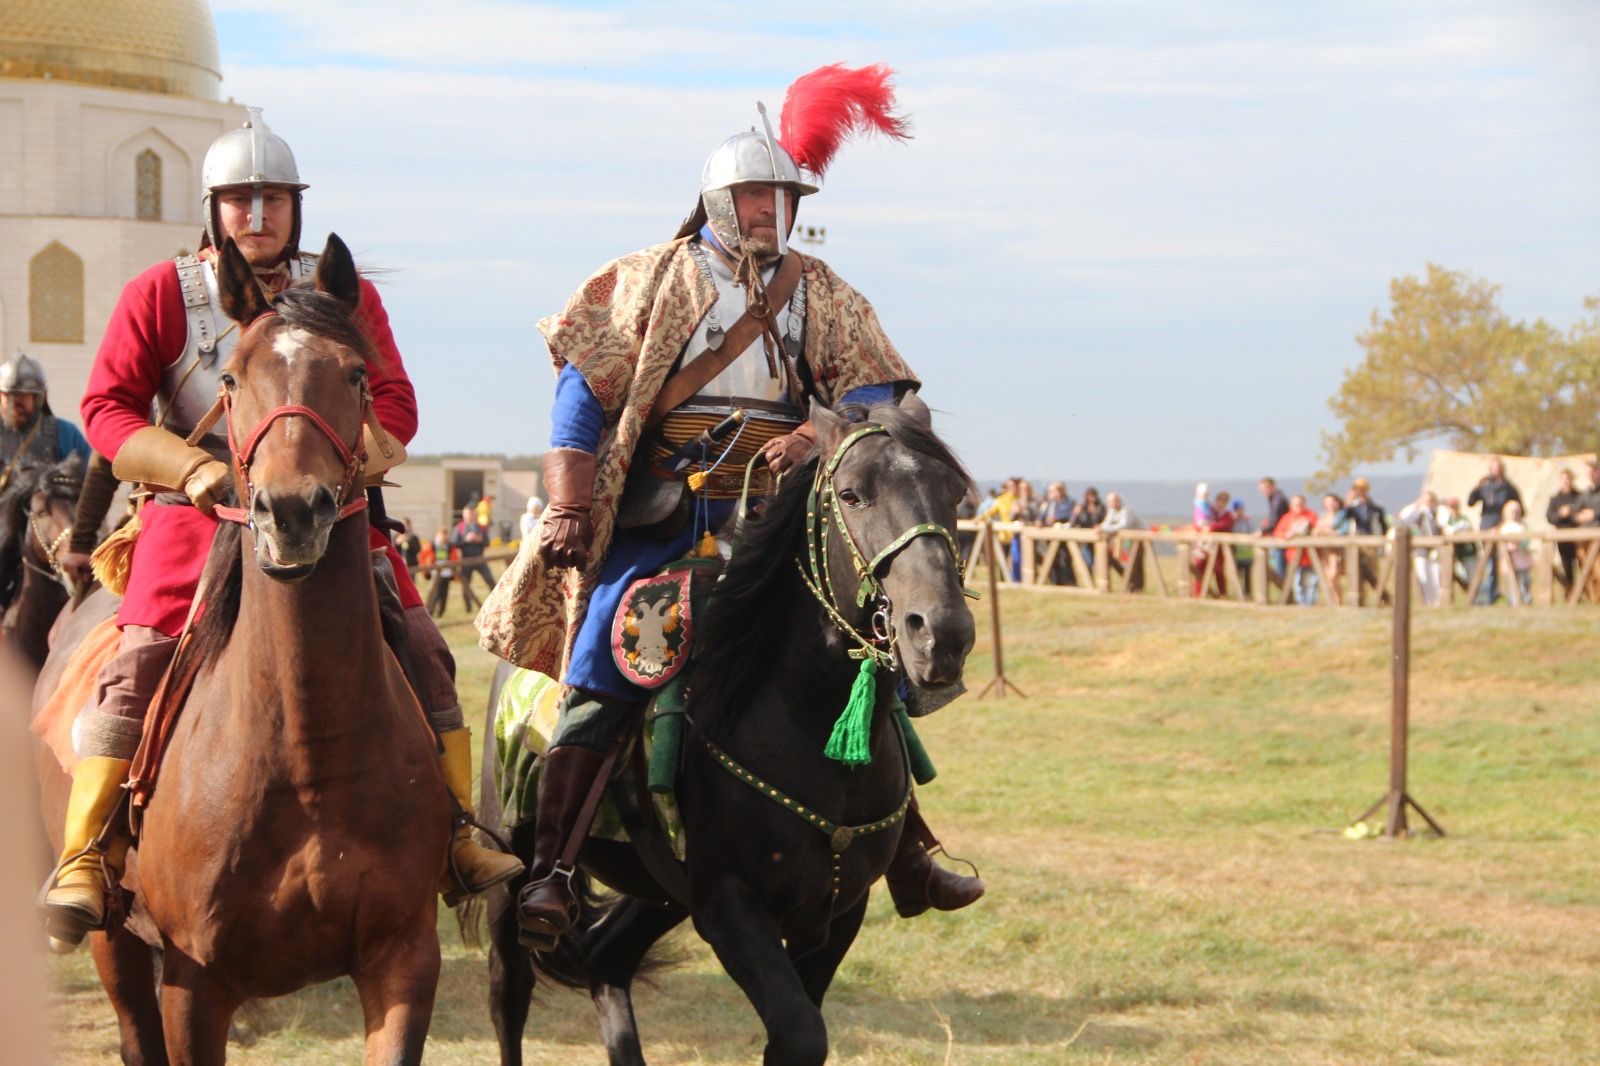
[259, 505]
[915, 621]
[323, 505]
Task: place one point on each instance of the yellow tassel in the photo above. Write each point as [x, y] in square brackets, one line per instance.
[708, 546]
[697, 481]
[113, 560]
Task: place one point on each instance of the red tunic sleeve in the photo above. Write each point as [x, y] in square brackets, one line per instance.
[146, 334]
[393, 399]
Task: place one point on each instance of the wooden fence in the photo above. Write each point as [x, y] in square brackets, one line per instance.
[1353, 570]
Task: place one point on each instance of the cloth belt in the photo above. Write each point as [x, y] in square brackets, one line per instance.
[708, 364]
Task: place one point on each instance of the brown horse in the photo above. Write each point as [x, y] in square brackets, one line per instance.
[300, 825]
[36, 512]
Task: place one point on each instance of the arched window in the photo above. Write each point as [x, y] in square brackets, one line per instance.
[147, 186]
[55, 296]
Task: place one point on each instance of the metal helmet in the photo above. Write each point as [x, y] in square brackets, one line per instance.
[250, 157]
[753, 157]
[22, 374]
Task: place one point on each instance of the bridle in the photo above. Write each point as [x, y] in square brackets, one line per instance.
[50, 548]
[348, 499]
[823, 513]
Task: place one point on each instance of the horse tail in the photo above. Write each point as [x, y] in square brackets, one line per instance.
[569, 964]
[471, 920]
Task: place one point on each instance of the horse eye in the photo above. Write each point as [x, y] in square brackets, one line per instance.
[358, 375]
[228, 382]
[849, 497]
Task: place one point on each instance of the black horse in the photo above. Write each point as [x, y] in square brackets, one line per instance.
[782, 843]
[36, 513]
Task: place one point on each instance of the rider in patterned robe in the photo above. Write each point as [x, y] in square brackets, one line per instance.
[155, 376]
[614, 347]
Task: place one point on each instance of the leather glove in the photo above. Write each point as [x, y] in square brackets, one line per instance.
[207, 486]
[791, 450]
[155, 456]
[566, 530]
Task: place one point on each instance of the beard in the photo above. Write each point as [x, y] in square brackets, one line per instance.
[760, 248]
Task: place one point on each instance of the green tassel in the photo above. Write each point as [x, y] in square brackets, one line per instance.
[848, 744]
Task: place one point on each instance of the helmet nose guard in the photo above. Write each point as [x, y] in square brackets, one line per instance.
[251, 156]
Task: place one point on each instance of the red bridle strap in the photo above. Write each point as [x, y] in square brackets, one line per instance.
[354, 455]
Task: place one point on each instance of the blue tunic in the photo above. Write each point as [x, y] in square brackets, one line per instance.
[577, 421]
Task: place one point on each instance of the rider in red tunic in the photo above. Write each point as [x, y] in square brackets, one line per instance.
[154, 378]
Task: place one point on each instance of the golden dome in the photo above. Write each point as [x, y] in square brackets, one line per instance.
[159, 46]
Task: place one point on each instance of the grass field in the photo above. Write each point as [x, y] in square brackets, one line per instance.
[1159, 827]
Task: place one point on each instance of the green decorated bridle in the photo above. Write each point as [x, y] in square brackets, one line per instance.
[848, 743]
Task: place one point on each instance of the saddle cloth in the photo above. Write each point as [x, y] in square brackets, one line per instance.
[55, 721]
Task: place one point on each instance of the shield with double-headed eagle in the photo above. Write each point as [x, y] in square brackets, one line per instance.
[650, 631]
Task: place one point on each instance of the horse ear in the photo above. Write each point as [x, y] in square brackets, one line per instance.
[830, 427]
[242, 298]
[336, 273]
[912, 405]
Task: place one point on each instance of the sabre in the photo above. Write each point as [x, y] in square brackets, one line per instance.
[685, 456]
[779, 192]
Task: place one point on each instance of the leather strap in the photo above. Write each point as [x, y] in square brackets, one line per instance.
[699, 371]
[591, 804]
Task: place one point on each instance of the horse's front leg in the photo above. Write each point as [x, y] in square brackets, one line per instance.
[396, 981]
[747, 940]
[128, 973]
[196, 1011]
[816, 968]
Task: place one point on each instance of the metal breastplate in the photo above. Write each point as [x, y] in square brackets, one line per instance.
[748, 375]
[41, 445]
[189, 385]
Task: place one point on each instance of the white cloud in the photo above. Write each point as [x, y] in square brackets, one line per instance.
[1101, 200]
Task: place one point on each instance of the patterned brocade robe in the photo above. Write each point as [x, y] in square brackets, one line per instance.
[623, 331]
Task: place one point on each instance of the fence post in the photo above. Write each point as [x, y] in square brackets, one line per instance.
[1102, 567]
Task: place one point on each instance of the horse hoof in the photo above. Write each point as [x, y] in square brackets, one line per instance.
[64, 945]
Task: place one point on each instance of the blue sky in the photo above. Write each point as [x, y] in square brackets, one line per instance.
[1128, 240]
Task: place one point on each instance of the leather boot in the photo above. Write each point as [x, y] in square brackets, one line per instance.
[472, 867]
[916, 882]
[547, 907]
[88, 872]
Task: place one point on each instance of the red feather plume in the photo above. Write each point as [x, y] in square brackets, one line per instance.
[824, 108]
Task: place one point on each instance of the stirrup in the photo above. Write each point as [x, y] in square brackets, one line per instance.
[66, 925]
[458, 889]
[544, 936]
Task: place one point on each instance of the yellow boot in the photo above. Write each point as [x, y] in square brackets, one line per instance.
[472, 868]
[75, 903]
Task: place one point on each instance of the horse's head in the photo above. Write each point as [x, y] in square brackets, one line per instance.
[37, 508]
[894, 488]
[295, 391]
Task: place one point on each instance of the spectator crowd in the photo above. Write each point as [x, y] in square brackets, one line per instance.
[1314, 572]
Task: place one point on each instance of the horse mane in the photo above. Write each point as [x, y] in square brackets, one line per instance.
[62, 480]
[220, 581]
[755, 601]
[325, 315]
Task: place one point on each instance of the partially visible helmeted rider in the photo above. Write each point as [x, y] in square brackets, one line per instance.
[627, 398]
[155, 377]
[29, 431]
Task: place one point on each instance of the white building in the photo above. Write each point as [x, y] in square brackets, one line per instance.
[106, 109]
